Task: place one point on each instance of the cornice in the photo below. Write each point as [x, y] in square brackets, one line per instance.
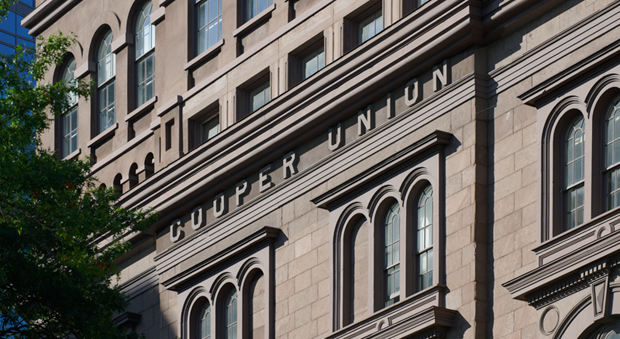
[45, 14]
[431, 141]
[560, 45]
[547, 89]
[323, 92]
[559, 275]
[264, 235]
[415, 317]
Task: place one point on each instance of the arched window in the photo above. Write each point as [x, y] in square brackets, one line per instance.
[355, 266]
[574, 174]
[204, 322]
[612, 155]
[106, 72]
[145, 54]
[209, 24]
[425, 239]
[69, 120]
[391, 236]
[230, 316]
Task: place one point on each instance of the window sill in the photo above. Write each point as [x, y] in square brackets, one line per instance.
[255, 21]
[102, 136]
[158, 16]
[142, 109]
[578, 238]
[73, 155]
[205, 55]
[415, 315]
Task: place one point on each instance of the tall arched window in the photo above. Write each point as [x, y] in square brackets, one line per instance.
[425, 239]
[612, 155]
[204, 322]
[391, 236]
[209, 24]
[574, 174]
[231, 315]
[145, 54]
[69, 120]
[106, 72]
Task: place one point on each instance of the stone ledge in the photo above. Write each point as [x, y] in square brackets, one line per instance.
[409, 318]
[211, 51]
[255, 21]
[73, 154]
[102, 136]
[121, 42]
[142, 109]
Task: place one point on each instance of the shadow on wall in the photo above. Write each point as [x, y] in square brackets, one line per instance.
[529, 31]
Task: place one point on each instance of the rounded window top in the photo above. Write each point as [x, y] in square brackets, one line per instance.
[144, 16]
[68, 76]
[425, 207]
[145, 31]
[68, 71]
[204, 322]
[106, 60]
[231, 315]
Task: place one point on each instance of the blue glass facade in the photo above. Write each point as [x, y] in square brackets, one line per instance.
[12, 33]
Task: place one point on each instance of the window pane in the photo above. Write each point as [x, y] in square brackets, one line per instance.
[616, 155]
[262, 5]
[140, 67]
[579, 170]
[149, 68]
[213, 30]
[110, 90]
[149, 90]
[213, 11]
[202, 41]
[378, 24]
[616, 122]
[8, 38]
[569, 175]
[139, 45]
[202, 14]
[9, 24]
[141, 94]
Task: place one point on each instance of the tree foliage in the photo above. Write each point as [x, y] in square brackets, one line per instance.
[59, 233]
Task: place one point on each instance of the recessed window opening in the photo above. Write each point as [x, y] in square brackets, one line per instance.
[612, 154]
[145, 54]
[106, 72]
[230, 317]
[209, 24]
[392, 255]
[210, 128]
[204, 322]
[313, 62]
[574, 174]
[260, 96]
[69, 120]
[425, 239]
[370, 26]
[254, 7]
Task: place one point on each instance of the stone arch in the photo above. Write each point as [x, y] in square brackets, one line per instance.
[254, 296]
[193, 304]
[378, 200]
[351, 227]
[603, 94]
[553, 131]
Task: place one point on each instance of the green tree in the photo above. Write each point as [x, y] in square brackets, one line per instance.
[59, 233]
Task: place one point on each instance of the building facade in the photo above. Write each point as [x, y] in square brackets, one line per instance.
[354, 168]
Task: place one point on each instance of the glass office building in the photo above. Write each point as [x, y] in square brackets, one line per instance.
[12, 33]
